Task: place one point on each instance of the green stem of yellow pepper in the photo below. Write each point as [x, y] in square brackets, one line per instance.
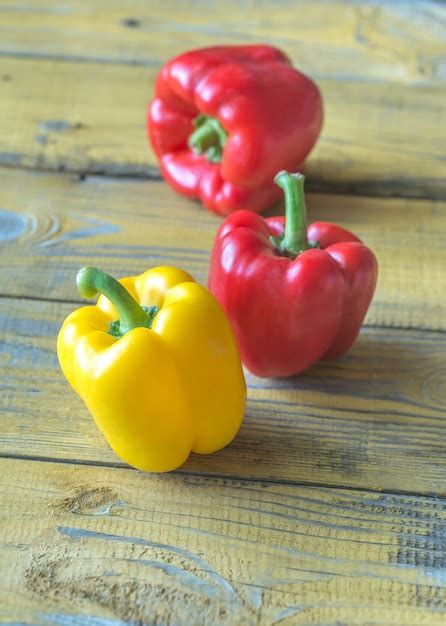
[92, 281]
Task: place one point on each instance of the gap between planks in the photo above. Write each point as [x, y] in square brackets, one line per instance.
[74, 302]
[76, 58]
[235, 477]
[387, 188]
[378, 139]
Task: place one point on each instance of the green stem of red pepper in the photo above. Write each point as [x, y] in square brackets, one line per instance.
[294, 240]
[92, 281]
[208, 138]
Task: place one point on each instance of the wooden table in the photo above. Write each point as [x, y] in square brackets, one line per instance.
[329, 507]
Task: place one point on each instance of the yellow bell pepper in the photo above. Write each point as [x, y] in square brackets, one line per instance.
[161, 380]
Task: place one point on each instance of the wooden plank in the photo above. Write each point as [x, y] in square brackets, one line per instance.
[373, 419]
[378, 139]
[381, 40]
[83, 543]
[52, 225]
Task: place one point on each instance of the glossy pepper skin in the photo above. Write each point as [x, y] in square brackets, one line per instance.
[224, 120]
[160, 382]
[293, 295]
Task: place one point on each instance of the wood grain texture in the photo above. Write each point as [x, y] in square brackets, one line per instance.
[51, 225]
[289, 525]
[372, 419]
[372, 40]
[378, 139]
[99, 544]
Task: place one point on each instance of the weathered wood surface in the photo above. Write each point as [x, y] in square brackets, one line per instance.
[286, 525]
[51, 225]
[370, 40]
[83, 543]
[374, 419]
[378, 139]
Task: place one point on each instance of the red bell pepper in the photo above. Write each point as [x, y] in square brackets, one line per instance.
[224, 120]
[293, 295]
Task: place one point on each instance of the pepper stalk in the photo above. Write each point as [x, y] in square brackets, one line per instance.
[208, 138]
[92, 281]
[294, 240]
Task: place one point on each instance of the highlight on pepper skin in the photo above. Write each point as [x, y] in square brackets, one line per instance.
[313, 286]
[157, 365]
